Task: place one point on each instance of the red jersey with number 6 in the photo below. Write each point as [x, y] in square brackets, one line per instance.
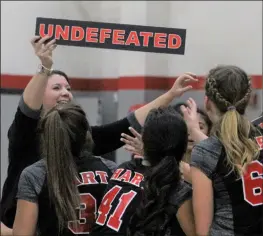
[121, 199]
[238, 202]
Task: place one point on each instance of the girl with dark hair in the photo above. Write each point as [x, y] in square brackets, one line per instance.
[45, 90]
[135, 144]
[166, 206]
[205, 125]
[227, 167]
[67, 178]
[152, 187]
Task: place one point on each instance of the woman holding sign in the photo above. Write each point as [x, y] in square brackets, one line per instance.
[46, 89]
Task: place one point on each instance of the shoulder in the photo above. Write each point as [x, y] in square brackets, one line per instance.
[31, 181]
[258, 122]
[211, 145]
[111, 165]
[126, 164]
[206, 155]
[33, 176]
[181, 194]
[36, 169]
[134, 165]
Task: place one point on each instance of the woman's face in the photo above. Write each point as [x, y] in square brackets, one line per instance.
[203, 127]
[57, 90]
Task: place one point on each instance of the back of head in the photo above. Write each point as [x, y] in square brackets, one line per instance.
[165, 141]
[229, 88]
[177, 107]
[164, 134]
[64, 132]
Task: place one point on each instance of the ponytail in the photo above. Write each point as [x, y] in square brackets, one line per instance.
[153, 214]
[61, 168]
[229, 88]
[233, 130]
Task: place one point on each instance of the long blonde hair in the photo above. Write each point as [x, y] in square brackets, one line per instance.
[229, 87]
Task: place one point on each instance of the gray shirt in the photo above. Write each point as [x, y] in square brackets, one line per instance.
[227, 189]
[33, 177]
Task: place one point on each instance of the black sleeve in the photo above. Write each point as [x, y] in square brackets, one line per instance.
[22, 152]
[258, 122]
[22, 132]
[182, 193]
[107, 137]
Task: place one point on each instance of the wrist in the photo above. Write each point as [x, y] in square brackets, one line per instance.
[42, 69]
[172, 94]
[47, 65]
[197, 135]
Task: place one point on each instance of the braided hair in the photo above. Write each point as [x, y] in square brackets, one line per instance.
[229, 88]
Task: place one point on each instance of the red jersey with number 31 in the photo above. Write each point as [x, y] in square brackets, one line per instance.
[94, 174]
[121, 199]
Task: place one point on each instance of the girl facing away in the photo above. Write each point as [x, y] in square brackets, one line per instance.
[166, 206]
[227, 167]
[59, 194]
[135, 144]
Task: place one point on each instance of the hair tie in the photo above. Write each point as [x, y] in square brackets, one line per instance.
[231, 108]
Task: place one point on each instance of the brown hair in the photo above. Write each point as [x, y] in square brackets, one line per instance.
[229, 87]
[64, 132]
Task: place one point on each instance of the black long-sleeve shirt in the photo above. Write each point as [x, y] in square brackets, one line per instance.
[24, 146]
[258, 122]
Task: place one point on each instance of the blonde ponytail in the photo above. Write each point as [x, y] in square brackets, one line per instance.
[229, 88]
[233, 131]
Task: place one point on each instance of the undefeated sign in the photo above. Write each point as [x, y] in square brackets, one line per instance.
[113, 36]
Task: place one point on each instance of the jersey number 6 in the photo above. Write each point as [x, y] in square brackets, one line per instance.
[253, 184]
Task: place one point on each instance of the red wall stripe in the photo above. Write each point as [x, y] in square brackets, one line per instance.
[112, 84]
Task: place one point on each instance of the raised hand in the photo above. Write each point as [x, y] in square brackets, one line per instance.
[181, 85]
[190, 115]
[44, 51]
[133, 144]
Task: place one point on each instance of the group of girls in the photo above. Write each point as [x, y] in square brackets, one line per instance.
[198, 172]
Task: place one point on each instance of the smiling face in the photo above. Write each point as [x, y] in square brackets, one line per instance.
[203, 127]
[57, 90]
